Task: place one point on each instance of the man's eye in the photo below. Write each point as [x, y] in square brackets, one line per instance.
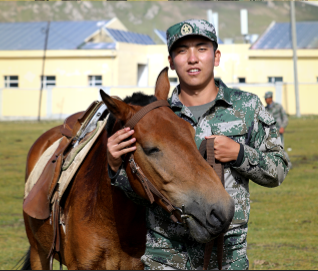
[202, 49]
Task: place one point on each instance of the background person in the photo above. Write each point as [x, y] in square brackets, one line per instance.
[245, 141]
[280, 116]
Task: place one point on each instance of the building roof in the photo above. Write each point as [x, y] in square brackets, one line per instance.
[162, 35]
[129, 37]
[67, 35]
[278, 36]
[99, 45]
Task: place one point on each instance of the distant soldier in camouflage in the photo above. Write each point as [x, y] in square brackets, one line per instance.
[280, 116]
[246, 141]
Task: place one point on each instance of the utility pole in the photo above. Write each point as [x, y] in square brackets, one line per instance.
[43, 66]
[294, 43]
[244, 24]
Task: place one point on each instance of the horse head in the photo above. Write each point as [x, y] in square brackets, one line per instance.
[167, 154]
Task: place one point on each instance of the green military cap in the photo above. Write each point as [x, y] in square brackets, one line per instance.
[268, 94]
[189, 28]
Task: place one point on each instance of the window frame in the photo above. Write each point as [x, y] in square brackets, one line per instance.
[93, 81]
[8, 80]
[270, 79]
[48, 83]
[241, 78]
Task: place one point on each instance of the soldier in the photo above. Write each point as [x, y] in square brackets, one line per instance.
[280, 116]
[246, 141]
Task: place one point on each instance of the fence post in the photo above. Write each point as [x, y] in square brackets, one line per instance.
[278, 92]
[49, 101]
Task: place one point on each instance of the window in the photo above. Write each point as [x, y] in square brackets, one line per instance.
[273, 79]
[11, 81]
[95, 80]
[173, 80]
[241, 80]
[48, 81]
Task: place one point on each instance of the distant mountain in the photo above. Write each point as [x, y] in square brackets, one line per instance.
[143, 17]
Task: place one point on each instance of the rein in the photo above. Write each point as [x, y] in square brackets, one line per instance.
[178, 214]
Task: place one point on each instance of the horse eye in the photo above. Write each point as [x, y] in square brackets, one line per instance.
[149, 151]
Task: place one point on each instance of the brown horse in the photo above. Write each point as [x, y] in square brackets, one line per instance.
[104, 229]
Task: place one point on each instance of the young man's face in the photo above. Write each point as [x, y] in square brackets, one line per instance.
[269, 100]
[193, 59]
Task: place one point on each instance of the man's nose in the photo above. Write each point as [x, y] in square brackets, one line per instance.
[192, 57]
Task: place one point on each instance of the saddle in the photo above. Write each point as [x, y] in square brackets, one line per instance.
[74, 129]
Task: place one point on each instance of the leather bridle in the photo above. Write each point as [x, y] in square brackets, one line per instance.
[177, 214]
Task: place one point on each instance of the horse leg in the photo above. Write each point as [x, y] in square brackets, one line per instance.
[38, 257]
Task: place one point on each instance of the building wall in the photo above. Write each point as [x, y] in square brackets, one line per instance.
[71, 67]
[120, 67]
[264, 63]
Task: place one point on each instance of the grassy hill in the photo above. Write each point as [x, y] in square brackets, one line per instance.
[145, 16]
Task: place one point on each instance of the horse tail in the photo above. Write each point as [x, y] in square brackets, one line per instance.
[25, 262]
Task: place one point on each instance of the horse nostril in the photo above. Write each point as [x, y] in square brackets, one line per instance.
[214, 220]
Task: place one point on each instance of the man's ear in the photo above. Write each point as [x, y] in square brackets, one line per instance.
[217, 58]
[162, 85]
[171, 62]
[117, 107]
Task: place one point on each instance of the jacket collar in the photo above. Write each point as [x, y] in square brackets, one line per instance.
[223, 94]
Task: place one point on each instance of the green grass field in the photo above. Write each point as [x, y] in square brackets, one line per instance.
[282, 228]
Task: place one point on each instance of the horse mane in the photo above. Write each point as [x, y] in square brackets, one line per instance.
[137, 98]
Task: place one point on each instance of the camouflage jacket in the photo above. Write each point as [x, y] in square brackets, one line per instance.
[279, 114]
[242, 117]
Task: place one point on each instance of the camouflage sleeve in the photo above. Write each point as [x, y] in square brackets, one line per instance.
[284, 117]
[120, 180]
[264, 161]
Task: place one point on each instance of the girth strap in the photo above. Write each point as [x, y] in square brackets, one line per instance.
[143, 111]
[208, 147]
[56, 244]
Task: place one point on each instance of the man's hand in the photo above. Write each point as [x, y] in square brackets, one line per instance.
[225, 149]
[281, 130]
[116, 148]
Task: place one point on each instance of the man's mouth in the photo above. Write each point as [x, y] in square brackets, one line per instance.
[194, 71]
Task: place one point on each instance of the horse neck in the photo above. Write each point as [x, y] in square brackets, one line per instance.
[103, 198]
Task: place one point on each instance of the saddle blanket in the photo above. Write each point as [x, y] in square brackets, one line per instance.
[71, 163]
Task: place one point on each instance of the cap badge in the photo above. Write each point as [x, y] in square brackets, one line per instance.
[186, 29]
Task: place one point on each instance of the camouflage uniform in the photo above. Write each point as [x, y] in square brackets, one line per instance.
[242, 117]
[280, 116]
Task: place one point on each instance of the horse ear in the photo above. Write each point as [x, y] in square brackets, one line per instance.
[162, 85]
[117, 107]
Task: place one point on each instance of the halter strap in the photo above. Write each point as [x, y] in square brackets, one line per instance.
[149, 188]
[143, 111]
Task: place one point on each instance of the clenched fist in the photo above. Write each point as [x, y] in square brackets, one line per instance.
[225, 149]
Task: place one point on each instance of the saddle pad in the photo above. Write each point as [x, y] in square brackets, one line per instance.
[39, 167]
[78, 157]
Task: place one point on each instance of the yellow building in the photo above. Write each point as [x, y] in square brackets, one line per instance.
[83, 57]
